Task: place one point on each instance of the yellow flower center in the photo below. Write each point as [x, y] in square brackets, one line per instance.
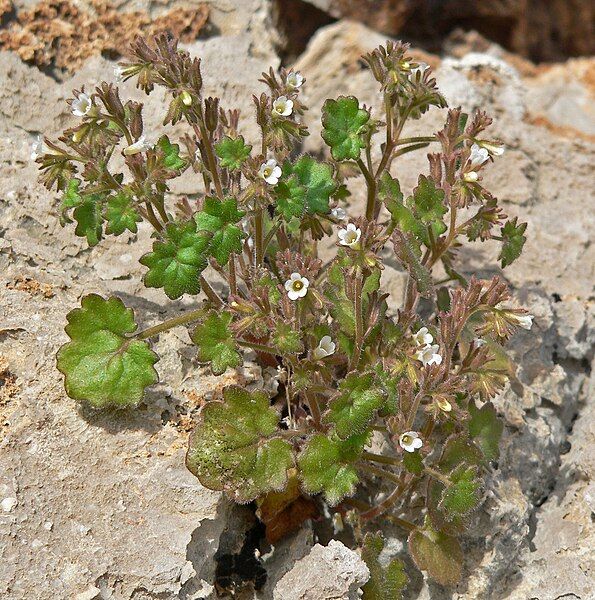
[297, 285]
[407, 440]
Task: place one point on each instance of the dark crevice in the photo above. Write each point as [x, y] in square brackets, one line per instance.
[296, 21]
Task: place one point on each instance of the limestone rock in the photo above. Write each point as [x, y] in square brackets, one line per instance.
[327, 572]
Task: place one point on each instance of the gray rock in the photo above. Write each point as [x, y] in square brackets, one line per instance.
[327, 572]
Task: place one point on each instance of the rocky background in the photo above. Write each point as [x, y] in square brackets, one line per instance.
[100, 506]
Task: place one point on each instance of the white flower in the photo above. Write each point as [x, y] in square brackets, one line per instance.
[338, 213]
[38, 147]
[524, 321]
[141, 145]
[444, 404]
[478, 156]
[325, 348]
[471, 176]
[119, 73]
[423, 337]
[478, 342]
[492, 148]
[350, 236]
[283, 106]
[421, 69]
[270, 171]
[428, 355]
[410, 441]
[296, 286]
[81, 106]
[295, 79]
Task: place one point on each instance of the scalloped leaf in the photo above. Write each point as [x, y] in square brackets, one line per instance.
[463, 495]
[101, 364]
[291, 198]
[170, 154]
[219, 218]
[437, 553]
[286, 339]
[317, 180]
[355, 408]
[121, 214]
[232, 152]
[89, 220]
[343, 126]
[175, 264]
[387, 581]
[326, 465]
[216, 344]
[513, 240]
[428, 204]
[236, 448]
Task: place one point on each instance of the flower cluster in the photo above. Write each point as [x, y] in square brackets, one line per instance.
[293, 278]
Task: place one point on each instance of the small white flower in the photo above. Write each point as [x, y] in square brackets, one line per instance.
[270, 171]
[428, 355]
[283, 106]
[444, 404]
[479, 342]
[524, 321]
[338, 213]
[325, 348]
[350, 236]
[423, 337]
[295, 79]
[471, 176]
[478, 156]
[81, 106]
[410, 441]
[296, 286]
[492, 148]
[38, 147]
[141, 145]
[421, 69]
[119, 73]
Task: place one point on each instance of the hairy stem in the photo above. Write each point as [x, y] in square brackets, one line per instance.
[193, 315]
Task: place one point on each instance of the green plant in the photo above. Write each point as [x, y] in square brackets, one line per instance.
[348, 368]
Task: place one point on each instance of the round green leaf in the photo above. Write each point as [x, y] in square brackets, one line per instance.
[177, 262]
[343, 123]
[216, 344]
[235, 447]
[101, 364]
[326, 465]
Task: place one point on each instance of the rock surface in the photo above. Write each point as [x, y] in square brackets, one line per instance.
[96, 506]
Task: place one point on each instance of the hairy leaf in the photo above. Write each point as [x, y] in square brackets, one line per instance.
[428, 203]
[463, 495]
[356, 406]
[216, 344]
[291, 198]
[232, 152]
[286, 339]
[89, 220]
[121, 214]
[236, 447]
[102, 365]
[219, 218]
[170, 154]
[413, 462]
[343, 124]
[317, 180]
[437, 553]
[175, 264]
[326, 465]
[486, 428]
[513, 240]
[386, 582]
